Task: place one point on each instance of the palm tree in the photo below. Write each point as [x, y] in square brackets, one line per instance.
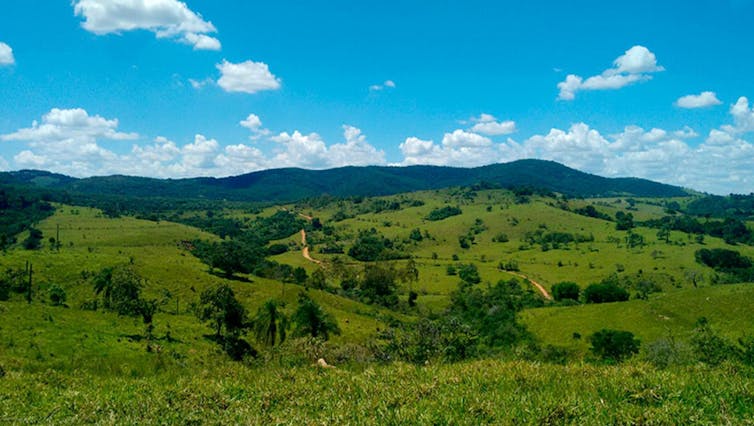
[312, 320]
[270, 323]
[103, 283]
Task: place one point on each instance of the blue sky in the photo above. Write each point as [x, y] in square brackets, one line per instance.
[214, 88]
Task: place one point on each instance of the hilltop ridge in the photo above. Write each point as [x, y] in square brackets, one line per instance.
[290, 184]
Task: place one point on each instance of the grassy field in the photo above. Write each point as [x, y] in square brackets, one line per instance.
[470, 393]
[68, 365]
[727, 307]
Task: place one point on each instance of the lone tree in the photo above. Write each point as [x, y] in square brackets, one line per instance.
[219, 306]
[312, 320]
[566, 290]
[270, 323]
[614, 345]
[120, 287]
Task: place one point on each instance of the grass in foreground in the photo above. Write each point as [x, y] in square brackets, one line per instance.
[480, 392]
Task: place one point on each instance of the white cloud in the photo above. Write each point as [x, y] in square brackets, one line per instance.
[246, 77]
[702, 100]
[355, 151]
[487, 124]
[252, 122]
[743, 117]
[311, 151]
[200, 154]
[387, 84]
[461, 138]
[6, 55]
[165, 18]
[633, 66]
[60, 125]
[300, 150]
[685, 133]
[202, 41]
[198, 84]
[67, 141]
[580, 147]
[458, 148]
[637, 60]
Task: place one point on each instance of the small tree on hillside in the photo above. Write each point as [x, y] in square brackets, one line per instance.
[219, 307]
[120, 288]
[566, 290]
[614, 345]
[378, 285]
[312, 320]
[469, 273]
[270, 323]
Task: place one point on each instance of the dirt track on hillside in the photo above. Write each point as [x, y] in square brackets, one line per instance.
[537, 285]
[305, 251]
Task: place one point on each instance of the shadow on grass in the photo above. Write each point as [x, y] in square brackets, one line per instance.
[231, 277]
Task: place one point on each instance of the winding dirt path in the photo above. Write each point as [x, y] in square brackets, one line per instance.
[305, 251]
[538, 286]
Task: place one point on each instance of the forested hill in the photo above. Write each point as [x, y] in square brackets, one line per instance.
[293, 184]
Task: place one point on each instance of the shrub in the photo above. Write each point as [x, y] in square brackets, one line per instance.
[276, 249]
[708, 346]
[722, 259]
[443, 213]
[666, 352]
[614, 345]
[469, 273]
[57, 295]
[311, 320]
[4, 290]
[604, 293]
[500, 238]
[34, 240]
[566, 290]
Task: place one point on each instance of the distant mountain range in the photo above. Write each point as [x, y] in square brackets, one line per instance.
[291, 184]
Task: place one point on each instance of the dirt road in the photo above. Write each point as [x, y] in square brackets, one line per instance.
[538, 286]
[305, 251]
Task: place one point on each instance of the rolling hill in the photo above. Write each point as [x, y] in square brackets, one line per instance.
[290, 184]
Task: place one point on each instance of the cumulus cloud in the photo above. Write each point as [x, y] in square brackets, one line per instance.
[311, 151]
[458, 148]
[637, 64]
[487, 124]
[254, 124]
[721, 163]
[246, 77]
[67, 140]
[355, 151]
[743, 117]
[388, 84]
[6, 55]
[165, 18]
[702, 100]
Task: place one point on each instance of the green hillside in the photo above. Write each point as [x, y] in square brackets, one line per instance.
[434, 297]
[294, 184]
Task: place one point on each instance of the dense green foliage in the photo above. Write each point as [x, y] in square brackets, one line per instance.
[566, 290]
[604, 293]
[731, 230]
[20, 208]
[591, 211]
[370, 245]
[732, 206]
[739, 268]
[313, 321]
[614, 345]
[443, 213]
[296, 184]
